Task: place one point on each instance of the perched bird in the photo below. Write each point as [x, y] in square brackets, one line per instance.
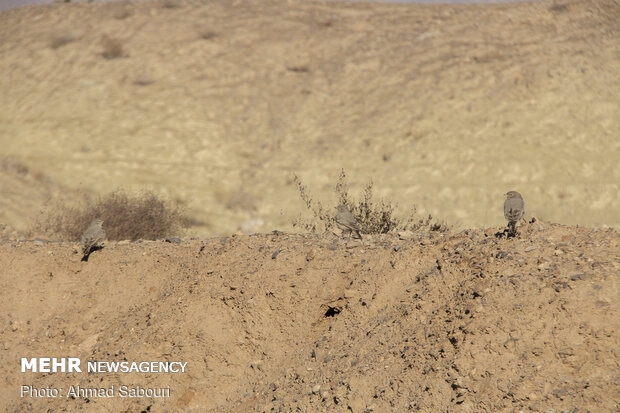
[347, 222]
[514, 209]
[92, 237]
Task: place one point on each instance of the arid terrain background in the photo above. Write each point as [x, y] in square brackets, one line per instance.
[216, 105]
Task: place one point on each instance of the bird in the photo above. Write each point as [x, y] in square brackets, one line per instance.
[514, 209]
[347, 222]
[92, 237]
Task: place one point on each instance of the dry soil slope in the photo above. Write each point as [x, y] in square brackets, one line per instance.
[431, 323]
[217, 103]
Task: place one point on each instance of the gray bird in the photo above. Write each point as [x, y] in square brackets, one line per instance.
[514, 209]
[347, 222]
[92, 237]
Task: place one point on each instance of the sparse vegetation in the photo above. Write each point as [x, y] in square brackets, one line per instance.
[372, 217]
[112, 48]
[140, 216]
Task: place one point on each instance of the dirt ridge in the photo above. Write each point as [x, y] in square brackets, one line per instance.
[276, 322]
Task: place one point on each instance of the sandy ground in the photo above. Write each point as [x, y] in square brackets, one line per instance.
[288, 322]
[217, 104]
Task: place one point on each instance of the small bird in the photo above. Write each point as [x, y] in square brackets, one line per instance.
[92, 237]
[347, 222]
[514, 209]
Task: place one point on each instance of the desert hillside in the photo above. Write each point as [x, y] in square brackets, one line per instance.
[216, 104]
[288, 322]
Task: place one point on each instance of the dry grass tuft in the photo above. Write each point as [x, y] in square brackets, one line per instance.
[126, 217]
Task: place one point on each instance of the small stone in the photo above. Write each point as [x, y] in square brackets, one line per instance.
[174, 240]
[530, 248]
[558, 252]
[316, 389]
[397, 248]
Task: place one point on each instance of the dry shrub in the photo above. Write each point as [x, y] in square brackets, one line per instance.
[372, 217]
[112, 48]
[126, 217]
